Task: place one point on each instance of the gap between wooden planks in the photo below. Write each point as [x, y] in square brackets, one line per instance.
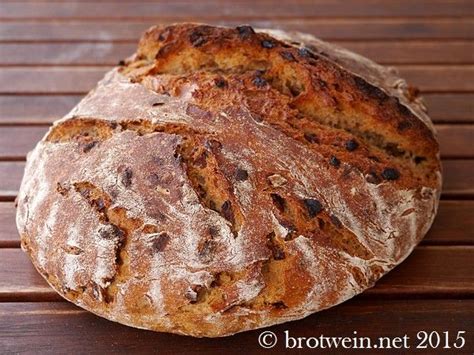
[79, 80]
[17, 141]
[63, 328]
[423, 273]
[329, 29]
[228, 8]
[457, 179]
[408, 52]
[453, 225]
[44, 109]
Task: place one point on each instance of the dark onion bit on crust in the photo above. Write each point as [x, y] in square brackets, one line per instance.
[418, 160]
[111, 231]
[245, 31]
[311, 137]
[403, 125]
[306, 53]
[126, 178]
[88, 146]
[278, 201]
[334, 162]
[259, 82]
[220, 83]
[267, 44]
[157, 104]
[335, 221]
[241, 174]
[390, 174]
[226, 210]
[196, 38]
[287, 56]
[351, 145]
[159, 244]
[369, 89]
[312, 206]
[373, 178]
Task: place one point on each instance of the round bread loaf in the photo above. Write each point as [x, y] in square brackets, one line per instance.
[226, 179]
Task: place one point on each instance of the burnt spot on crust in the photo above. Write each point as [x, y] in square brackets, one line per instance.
[245, 31]
[159, 242]
[158, 103]
[241, 174]
[351, 145]
[278, 201]
[390, 174]
[313, 207]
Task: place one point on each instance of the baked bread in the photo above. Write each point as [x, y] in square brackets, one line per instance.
[226, 179]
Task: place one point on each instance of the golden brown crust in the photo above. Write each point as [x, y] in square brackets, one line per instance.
[224, 180]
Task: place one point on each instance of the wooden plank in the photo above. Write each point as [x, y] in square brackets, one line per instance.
[453, 225]
[411, 52]
[456, 140]
[457, 178]
[330, 29]
[79, 80]
[11, 173]
[9, 237]
[414, 52]
[44, 109]
[16, 141]
[424, 272]
[440, 77]
[59, 327]
[34, 109]
[450, 107]
[228, 8]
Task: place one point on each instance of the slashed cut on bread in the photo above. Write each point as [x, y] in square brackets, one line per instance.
[226, 179]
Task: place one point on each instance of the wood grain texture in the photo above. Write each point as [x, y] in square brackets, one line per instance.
[17, 141]
[44, 109]
[408, 52]
[424, 272]
[330, 29]
[453, 225]
[457, 178]
[60, 327]
[228, 8]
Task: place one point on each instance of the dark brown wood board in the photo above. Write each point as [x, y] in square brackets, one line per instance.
[53, 52]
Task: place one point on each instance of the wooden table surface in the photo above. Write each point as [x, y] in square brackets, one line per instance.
[52, 53]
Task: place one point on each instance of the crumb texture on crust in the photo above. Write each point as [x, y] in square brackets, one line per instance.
[224, 179]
